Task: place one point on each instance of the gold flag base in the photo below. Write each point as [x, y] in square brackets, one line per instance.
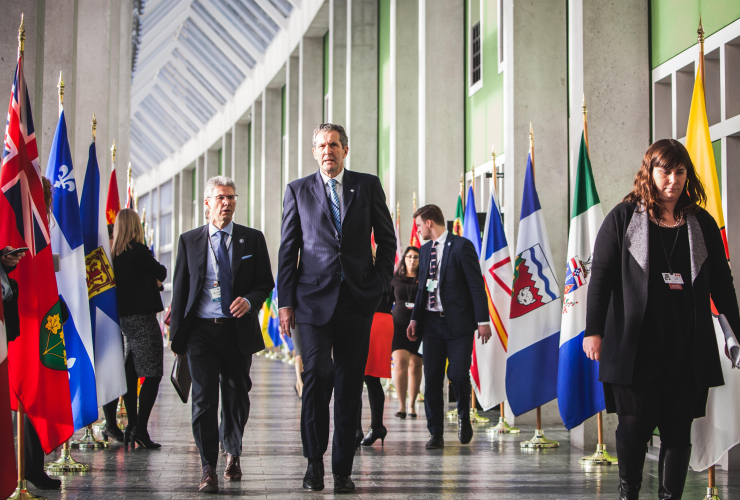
[452, 414]
[539, 441]
[503, 428]
[88, 442]
[22, 493]
[477, 419]
[99, 426]
[601, 457]
[712, 494]
[66, 464]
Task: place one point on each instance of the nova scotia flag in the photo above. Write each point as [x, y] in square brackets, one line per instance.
[66, 240]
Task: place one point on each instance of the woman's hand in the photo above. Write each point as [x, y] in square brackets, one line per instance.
[592, 347]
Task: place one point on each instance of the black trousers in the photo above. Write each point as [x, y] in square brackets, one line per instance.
[348, 333]
[440, 344]
[635, 432]
[215, 360]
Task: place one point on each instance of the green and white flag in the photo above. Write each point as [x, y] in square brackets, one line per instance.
[580, 394]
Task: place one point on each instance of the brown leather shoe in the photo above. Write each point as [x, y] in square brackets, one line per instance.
[209, 482]
[233, 470]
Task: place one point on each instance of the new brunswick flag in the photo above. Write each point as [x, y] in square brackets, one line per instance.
[113, 202]
[37, 360]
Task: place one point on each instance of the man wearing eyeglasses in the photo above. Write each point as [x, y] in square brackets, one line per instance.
[222, 278]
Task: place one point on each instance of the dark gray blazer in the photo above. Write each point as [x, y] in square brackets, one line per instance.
[617, 292]
[312, 288]
[251, 278]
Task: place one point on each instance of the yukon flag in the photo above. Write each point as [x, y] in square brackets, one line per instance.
[488, 371]
[66, 240]
[101, 287]
[532, 364]
[580, 394]
[719, 431]
[7, 446]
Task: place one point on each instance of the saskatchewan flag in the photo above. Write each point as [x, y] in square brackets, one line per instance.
[457, 225]
[580, 394]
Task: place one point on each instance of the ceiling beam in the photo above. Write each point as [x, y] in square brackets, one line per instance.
[235, 58]
[166, 28]
[169, 102]
[234, 30]
[183, 73]
[204, 71]
[274, 14]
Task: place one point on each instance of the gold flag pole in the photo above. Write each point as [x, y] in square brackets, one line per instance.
[89, 441]
[600, 457]
[712, 492]
[502, 427]
[65, 463]
[21, 492]
[539, 440]
[414, 202]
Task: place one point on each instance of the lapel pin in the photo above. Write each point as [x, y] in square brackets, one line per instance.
[449, 243]
[351, 190]
[241, 240]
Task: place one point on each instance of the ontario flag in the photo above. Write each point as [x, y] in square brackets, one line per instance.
[532, 364]
[488, 371]
[7, 450]
[37, 360]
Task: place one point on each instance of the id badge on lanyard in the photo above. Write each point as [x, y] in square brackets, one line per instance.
[215, 292]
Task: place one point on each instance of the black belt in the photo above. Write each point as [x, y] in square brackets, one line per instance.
[441, 314]
[218, 321]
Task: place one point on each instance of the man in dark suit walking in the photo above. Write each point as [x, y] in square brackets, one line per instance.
[450, 306]
[328, 219]
[222, 278]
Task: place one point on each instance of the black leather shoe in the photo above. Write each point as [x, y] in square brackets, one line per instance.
[673, 465]
[375, 434]
[343, 484]
[43, 482]
[436, 442]
[358, 438]
[631, 462]
[464, 430]
[314, 478]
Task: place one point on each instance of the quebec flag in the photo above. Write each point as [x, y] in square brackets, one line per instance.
[580, 394]
[534, 320]
[101, 287]
[66, 240]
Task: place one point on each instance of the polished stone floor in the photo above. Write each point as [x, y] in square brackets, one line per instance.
[273, 464]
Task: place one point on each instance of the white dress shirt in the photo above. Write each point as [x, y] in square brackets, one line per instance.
[440, 251]
[339, 178]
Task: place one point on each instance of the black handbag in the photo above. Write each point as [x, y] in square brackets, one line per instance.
[181, 377]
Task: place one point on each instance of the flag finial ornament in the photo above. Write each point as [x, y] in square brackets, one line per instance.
[398, 211]
[531, 136]
[414, 201]
[113, 151]
[136, 202]
[21, 37]
[700, 32]
[583, 106]
[60, 86]
[129, 172]
[143, 215]
[94, 125]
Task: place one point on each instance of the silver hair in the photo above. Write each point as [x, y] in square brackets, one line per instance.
[218, 180]
[330, 127]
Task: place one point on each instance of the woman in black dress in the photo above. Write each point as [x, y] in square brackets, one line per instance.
[407, 364]
[139, 280]
[657, 259]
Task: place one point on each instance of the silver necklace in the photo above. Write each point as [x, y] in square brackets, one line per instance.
[671, 226]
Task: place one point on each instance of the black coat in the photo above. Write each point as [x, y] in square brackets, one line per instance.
[312, 288]
[251, 278]
[137, 271]
[461, 286]
[618, 287]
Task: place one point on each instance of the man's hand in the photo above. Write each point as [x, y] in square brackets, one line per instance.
[411, 331]
[287, 320]
[484, 333]
[239, 307]
[592, 347]
[12, 260]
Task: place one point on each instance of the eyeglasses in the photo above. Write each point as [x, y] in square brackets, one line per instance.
[412, 257]
[221, 198]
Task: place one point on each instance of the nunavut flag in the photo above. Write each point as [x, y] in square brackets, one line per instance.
[37, 360]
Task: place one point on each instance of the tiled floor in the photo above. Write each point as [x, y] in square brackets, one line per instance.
[273, 464]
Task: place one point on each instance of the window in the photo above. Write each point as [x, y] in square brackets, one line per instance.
[475, 54]
[165, 229]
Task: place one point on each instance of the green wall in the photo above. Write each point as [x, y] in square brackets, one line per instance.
[484, 110]
[674, 24]
[384, 92]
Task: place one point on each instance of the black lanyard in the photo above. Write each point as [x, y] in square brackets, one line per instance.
[669, 256]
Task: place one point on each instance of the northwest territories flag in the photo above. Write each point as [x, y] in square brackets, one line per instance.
[66, 239]
[488, 370]
[101, 287]
[532, 364]
[580, 394]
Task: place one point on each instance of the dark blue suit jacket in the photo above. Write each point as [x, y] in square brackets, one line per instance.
[461, 287]
[312, 287]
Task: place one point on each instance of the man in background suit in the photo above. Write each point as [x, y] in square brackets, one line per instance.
[222, 278]
[450, 306]
[328, 219]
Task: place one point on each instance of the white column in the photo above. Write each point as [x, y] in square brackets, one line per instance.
[292, 123]
[185, 207]
[362, 85]
[240, 161]
[310, 99]
[255, 175]
[226, 154]
[124, 92]
[198, 212]
[271, 214]
[337, 61]
[210, 163]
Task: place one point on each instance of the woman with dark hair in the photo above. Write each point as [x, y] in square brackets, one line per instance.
[658, 257]
[407, 363]
[139, 280]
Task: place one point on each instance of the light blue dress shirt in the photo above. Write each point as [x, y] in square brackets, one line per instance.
[206, 307]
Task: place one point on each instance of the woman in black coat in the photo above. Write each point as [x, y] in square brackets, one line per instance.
[139, 280]
[658, 257]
